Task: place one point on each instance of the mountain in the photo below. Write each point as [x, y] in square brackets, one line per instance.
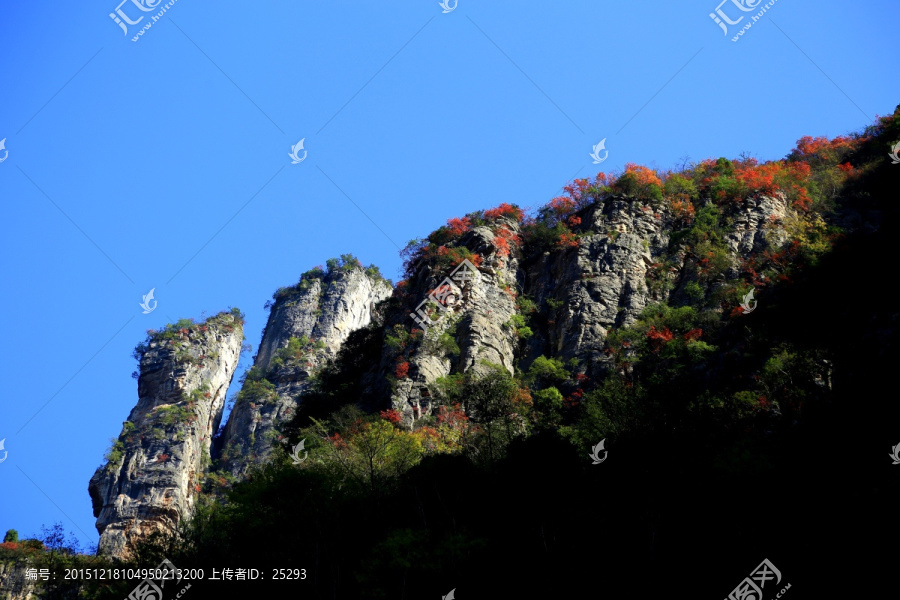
[656, 374]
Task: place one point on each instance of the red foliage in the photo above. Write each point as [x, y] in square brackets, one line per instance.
[664, 336]
[391, 415]
[337, 441]
[567, 240]
[502, 238]
[504, 210]
[847, 169]
[522, 396]
[453, 416]
[402, 371]
[428, 433]
[683, 209]
[579, 190]
[763, 402]
[574, 221]
[562, 206]
[9, 545]
[643, 175]
[572, 401]
[162, 458]
[693, 334]
[809, 146]
[659, 338]
[737, 311]
[760, 178]
[581, 378]
[458, 227]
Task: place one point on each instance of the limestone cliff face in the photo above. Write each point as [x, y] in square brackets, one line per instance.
[153, 471]
[624, 262]
[477, 320]
[306, 327]
[13, 583]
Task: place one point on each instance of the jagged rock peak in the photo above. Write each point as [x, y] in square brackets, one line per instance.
[154, 468]
[307, 324]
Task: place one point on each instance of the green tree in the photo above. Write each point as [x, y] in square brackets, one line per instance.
[365, 449]
[11, 536]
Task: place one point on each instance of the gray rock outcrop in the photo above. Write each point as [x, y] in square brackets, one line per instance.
[153, 471]
[306, 327]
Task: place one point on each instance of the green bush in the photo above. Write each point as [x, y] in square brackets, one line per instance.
[546, 372]
[679, 187]
[293, 353]
[174, 415]
[448, 344]
[258, 390]
[526, 305]
[548, 404]
[115, 453]
[694, 290]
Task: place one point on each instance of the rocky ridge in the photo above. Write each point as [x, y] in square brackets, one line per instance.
[621, 257]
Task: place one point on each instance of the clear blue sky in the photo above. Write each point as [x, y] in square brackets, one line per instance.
[163, 163]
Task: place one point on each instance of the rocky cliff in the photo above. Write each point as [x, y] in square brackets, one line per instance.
[527, 300]
[306, 327]
[154, 467]
[479, 294]
[477, 394]
[13, 582]
[495, 289]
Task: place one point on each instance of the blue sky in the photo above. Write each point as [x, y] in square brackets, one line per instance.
[163, 163]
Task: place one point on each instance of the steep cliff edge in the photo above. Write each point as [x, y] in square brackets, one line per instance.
[306, 327]
[153, 468]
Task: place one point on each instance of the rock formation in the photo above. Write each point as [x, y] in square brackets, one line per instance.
[619, 256]
[152, 475]
[306, 327]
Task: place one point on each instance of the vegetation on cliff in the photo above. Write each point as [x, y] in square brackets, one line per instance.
[716, 421]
